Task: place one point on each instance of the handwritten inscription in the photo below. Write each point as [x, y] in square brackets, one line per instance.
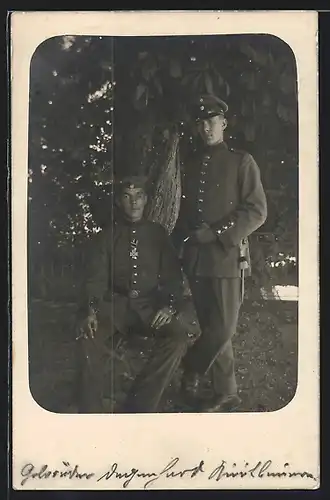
[172, 470]
[29, 471]
[168, 472]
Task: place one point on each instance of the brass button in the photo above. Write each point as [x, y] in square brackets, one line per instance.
[134, 294]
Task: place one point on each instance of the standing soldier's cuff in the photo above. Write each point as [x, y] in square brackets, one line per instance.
[222, 234]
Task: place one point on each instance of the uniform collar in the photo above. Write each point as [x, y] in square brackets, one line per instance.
[125, 222]
[217, 147]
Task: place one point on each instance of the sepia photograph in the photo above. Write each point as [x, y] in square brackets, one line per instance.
[164, 187]
[163, 224]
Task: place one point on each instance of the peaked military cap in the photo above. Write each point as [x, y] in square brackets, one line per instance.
[209, 105]
[131, 182]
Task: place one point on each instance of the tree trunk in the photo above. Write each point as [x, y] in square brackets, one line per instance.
[164, 204]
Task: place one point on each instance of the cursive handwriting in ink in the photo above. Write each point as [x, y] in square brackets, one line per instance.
[29, 471]
[225, 470]
[113, 472]
[168, 471]
[260, 470]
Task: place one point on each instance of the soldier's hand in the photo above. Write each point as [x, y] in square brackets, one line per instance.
[88, 326]
[162, 317]
[204, 234]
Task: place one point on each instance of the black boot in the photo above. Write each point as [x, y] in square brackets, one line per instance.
[190, 386]
[223, 404]
[190, 383]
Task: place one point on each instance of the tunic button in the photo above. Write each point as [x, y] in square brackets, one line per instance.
[200, 200]
[200, 210]
[134, 282]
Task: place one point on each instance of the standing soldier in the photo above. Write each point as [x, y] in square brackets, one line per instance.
[134, 281]
[223, 202]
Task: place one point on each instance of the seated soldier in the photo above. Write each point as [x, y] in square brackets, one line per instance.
[134, 279]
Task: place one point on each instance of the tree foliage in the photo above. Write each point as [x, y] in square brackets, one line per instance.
[102, 106]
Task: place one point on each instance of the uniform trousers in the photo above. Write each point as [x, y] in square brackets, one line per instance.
[170, 345]
[217, 302]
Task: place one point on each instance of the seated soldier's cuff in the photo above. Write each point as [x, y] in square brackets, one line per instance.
[93, 305]
[171, 305]
[87, 307]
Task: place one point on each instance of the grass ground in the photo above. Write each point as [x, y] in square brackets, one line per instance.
[265, 346]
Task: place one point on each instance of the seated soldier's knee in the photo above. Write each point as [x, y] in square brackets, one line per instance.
[176, 332]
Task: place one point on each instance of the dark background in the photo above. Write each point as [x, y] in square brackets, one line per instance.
[102, 107]
[151, 82]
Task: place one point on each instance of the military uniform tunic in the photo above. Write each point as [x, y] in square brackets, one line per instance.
[135, 265]
[134, 271]
[222, 188]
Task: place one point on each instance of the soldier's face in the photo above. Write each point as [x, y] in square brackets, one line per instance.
[132, 202]
[211, 129]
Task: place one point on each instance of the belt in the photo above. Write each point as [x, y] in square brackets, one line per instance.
[133, 293]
